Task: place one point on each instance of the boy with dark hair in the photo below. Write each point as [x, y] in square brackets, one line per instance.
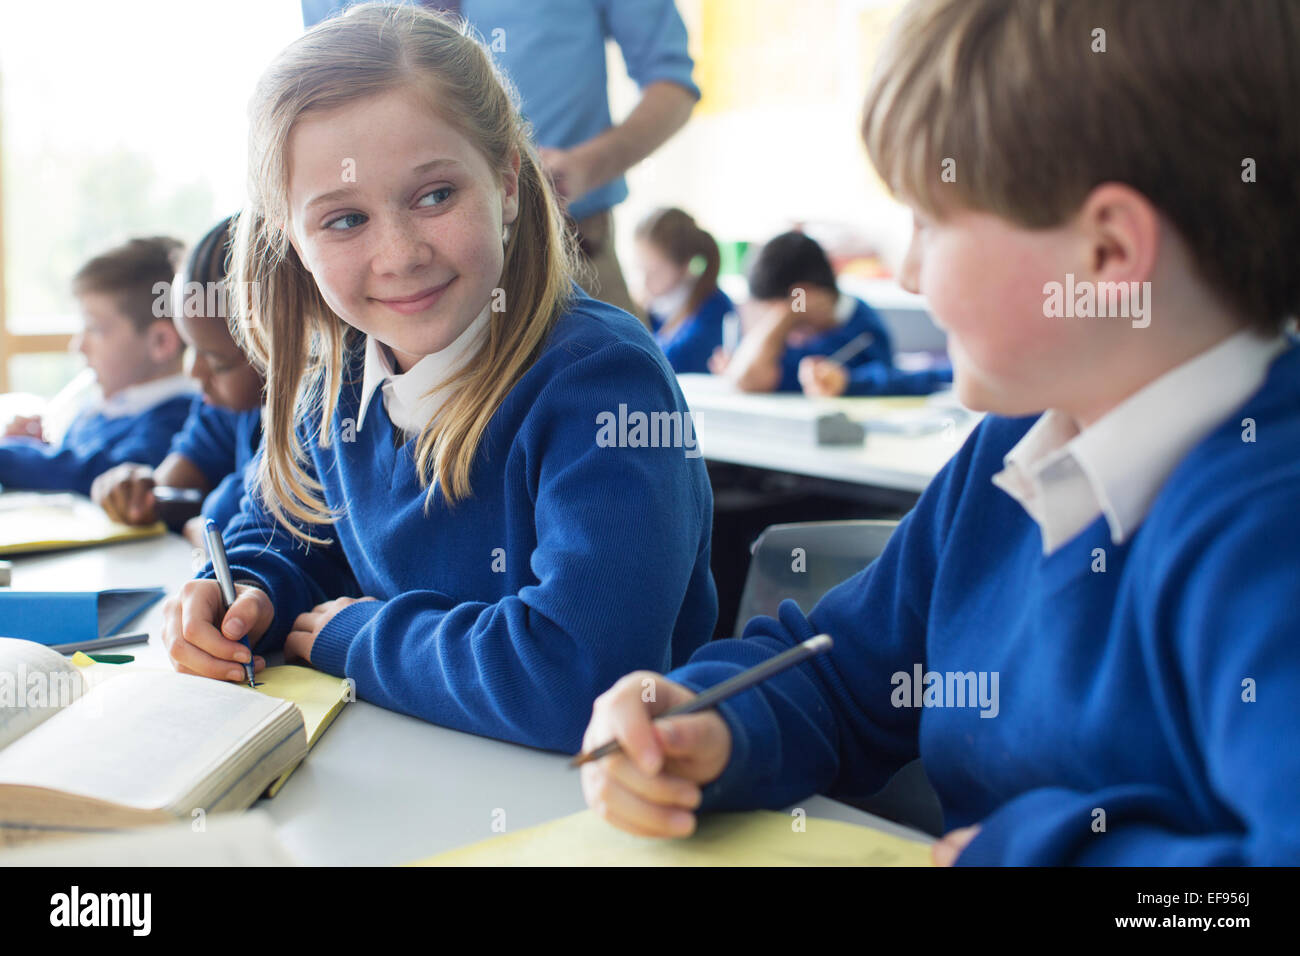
[797, 321]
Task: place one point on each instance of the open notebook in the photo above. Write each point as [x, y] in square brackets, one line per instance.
[33, 521]
[84, 750]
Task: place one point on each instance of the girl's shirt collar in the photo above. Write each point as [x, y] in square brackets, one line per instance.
[413, 399]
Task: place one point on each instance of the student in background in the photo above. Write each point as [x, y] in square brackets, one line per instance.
[222, 433]
[796, 310]
[441, 515]
[132, 346]
[1087, 625]
[680, 261]
[821, 376]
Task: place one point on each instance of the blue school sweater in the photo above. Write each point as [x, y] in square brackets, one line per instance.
[876, 378]
[690, 345]
[863, 319]
[1163, 690]
[582, 554]
[220, 442]
[93, 444]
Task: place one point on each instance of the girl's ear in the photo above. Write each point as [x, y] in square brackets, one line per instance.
[510, 190]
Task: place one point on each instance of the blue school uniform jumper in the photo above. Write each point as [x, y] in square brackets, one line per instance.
[689, 346]
[93, 443]
[875, 378]
[221, 442]
[863, 319]
[1164, 690]
[507, 614]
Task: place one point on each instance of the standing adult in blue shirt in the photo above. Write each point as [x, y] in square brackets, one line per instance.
[554, 53]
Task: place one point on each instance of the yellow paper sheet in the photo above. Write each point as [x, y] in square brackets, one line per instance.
[757, 838]
[319, 696]
[41, 522]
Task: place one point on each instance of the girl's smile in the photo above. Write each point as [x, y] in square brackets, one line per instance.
[414, 304]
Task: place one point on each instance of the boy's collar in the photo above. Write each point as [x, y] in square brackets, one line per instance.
[407, 394]
[1065, 478]
[135, 399]
[845, 306]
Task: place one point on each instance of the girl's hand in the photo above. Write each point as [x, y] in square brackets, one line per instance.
[25, 426]
[719, 360]
[821, 377]
[298, 645]
[652, 787]
[125, 492]
[193, 640]
[945, 851]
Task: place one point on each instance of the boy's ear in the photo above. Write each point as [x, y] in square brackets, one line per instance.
[1121, 231]
[162, 342]
[510, 190]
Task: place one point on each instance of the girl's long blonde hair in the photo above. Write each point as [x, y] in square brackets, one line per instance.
[277, 311]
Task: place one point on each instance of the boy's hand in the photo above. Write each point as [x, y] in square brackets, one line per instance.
[301, 639]
[25, 426]
[652, 787]
[944, 852]
[125, 492]
[822, 377]
[196, 645]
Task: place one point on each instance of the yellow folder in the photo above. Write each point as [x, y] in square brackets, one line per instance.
[756, 838]
[319, 696]
[30, 521]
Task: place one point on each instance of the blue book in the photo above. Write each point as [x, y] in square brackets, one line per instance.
[62, 618]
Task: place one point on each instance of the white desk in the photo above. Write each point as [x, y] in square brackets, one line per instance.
[884, 460]
[380, 787]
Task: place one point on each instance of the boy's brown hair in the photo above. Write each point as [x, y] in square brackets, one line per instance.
[1038, 101]
[131, 273]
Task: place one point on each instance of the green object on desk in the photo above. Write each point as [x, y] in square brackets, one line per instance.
[111, 658]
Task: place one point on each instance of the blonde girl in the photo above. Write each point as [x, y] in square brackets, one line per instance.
[442, 512]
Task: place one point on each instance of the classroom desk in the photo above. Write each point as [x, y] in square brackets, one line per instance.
[890, 461]
[380, 787]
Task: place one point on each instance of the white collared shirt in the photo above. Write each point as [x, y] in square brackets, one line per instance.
[844, 307]
[1064, 478]
[135, 399]
[407, 397]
